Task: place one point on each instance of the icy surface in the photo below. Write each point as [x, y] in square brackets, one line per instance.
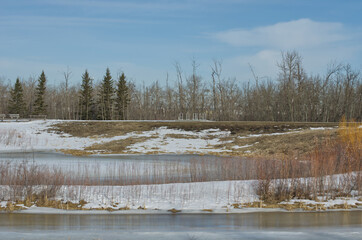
[332, 225]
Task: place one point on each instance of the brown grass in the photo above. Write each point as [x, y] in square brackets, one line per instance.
[298, 143]
[116, 128]
[173, 210]
[280, 180]
[294, 144]
[181, 136]
[117, 146]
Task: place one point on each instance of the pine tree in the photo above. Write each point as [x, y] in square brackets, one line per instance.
[17, 104]
[106, 96]
[86, 97]
[122, 99]
[39, 104]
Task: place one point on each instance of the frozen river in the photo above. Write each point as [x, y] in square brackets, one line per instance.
[259, 225]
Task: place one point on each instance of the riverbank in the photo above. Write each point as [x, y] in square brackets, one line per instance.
[196, 197]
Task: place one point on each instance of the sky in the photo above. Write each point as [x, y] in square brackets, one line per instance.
[145, 39]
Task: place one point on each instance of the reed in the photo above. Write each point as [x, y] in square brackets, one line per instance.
[332, 170]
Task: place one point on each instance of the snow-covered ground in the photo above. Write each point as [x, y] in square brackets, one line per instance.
[186, 196]
[216, 196]
[34, 136]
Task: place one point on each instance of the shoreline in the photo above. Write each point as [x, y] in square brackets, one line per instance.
[46, 210]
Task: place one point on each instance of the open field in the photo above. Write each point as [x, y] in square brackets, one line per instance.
[239, 138]
[114, 128]
[269, 139]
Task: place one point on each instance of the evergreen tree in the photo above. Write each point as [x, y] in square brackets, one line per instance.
[122, 99]
[17, 104]
[86, 97]
[39, 104]
[106, 96]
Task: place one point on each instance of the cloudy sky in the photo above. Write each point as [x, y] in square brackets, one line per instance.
[145, 38]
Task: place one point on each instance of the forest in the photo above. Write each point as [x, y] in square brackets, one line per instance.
[295, 95]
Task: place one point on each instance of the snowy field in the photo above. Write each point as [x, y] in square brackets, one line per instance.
[192, 197]
[198, 197]
[35, 136]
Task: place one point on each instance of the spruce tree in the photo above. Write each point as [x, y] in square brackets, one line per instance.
[122, 99]
[106, 96]
[39, 104]
[17, 105]
[86, 97]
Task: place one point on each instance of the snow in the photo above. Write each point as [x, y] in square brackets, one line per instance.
[217, 195]
[326, 203]
[282, 133]
[3, 204]
[267, 134]
[34, 136]
[320, 128]
[239, 147]
[161, 142]
[195, 197]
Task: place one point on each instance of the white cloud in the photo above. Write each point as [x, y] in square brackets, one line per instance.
[264, 64]
[286, 35]
[319, 43]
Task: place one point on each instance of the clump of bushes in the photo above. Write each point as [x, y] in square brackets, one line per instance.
[332, 170]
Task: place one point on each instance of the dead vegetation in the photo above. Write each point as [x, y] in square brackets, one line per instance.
[300, 142]
[117, 128]
[117, 146]
[281, 180]
[174, 211]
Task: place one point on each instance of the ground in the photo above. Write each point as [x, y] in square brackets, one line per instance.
[152, 137]
[252, 139]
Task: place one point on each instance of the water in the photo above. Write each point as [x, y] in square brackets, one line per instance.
[261, 225]
[147, 168]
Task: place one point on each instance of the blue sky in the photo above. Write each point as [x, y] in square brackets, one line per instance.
[145, 38]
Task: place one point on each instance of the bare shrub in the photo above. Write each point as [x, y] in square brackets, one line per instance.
[28, 179]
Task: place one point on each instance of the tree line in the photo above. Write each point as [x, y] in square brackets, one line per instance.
[294, 96]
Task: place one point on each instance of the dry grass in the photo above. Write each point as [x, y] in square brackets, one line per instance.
[173, 210]
[116, 128]
[182, 136]
[76, 152]
[297, 144]
[117, 146]
[279, 180]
